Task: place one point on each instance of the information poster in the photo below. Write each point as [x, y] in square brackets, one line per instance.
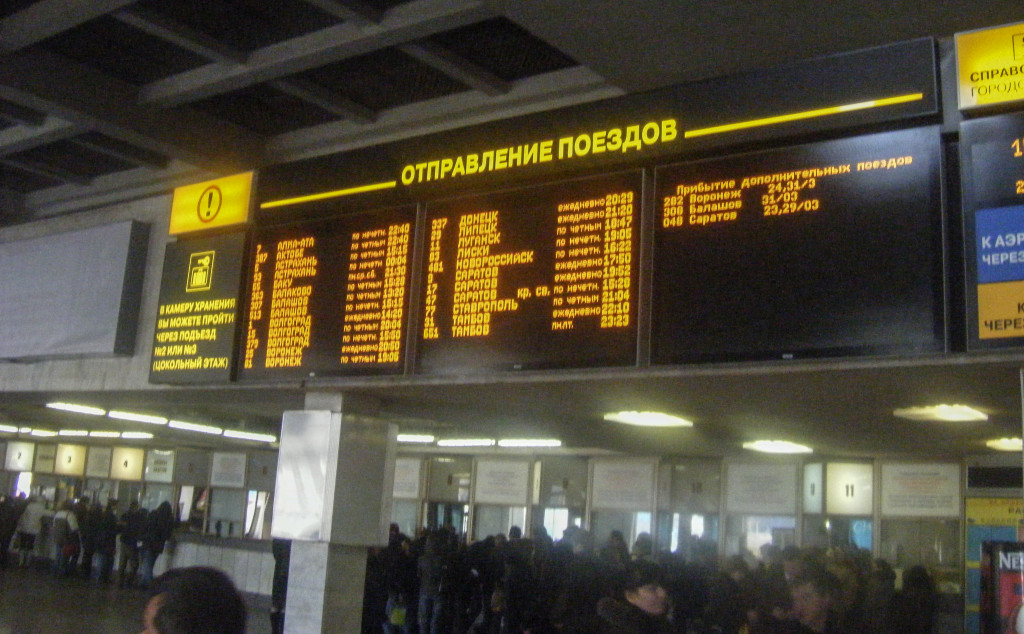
[921, 490]
[761, 489]
[97, 462]
[504, 482]
[826, 249]
[329, 298]
[228, 470]
[544, 277]
[196, 322]
[623, 485]
[993, 188]
[46, 458]
[159, 465]
[20, 456]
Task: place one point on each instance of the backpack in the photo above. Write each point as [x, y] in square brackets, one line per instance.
[60, 530]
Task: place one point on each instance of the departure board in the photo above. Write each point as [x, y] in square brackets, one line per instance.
[825, 249]
[541, 277]
[329, 298]
[993, 190]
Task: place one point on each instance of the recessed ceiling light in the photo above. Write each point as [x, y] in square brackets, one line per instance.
[202, 429]
[423, 439]
[76, 408]
[104, 434]
[8, 429]
[43, 433]
[530, 442]
[647, 419]
[1005, 444]
[946, 413]
[776, 446]
[246, 435]
[73, 432]
[136, 435]
[466, 442]
[137, 418]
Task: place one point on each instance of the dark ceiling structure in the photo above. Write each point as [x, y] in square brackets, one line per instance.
[103, 101]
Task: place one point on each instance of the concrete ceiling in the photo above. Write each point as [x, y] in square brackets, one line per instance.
[107, 100]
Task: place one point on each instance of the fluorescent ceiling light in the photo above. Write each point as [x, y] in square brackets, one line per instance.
[8, 429]
[203, 429]
[466, 442]
[946, 413]
[104, 434]
[73, 432]
[1005, 444]
[137, 418]
[245, 435]
[136, 435]
[416, 438]
[24, 430]
[43, 433]
[530, 442]
[647, 419]
[78, 409]
[776, 446]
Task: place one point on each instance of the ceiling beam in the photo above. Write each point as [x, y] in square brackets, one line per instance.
[137, 156]
[20, 115]
[46, 18]
[355, 11]
[21, 138]
[46, 170]
[457, 67]
[172, 31]
[86, 97]
[404, 23]
[322, 98]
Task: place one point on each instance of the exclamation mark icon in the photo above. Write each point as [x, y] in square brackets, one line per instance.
[209, 203]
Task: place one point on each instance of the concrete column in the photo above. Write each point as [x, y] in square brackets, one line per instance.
[333, 500]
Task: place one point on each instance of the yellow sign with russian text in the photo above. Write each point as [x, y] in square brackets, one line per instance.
[994, 511]
[1001, 310]
[990, 66]
[212, 204]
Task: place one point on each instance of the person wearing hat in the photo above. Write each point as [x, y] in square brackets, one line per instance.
[643, 605]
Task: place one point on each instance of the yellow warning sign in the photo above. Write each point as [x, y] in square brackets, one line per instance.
[217, 203]
[990, 66]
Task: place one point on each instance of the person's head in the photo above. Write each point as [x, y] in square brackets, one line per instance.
[196, 600]
[813, 594]
[644, 588]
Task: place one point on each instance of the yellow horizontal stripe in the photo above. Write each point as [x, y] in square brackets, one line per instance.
[807, 114]
[324, 195]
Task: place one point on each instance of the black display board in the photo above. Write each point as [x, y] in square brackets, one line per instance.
[992, 158]
[832, 248]
[197, 318]
[329, 298]
[540, 277]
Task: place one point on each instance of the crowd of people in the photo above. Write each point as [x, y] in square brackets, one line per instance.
[435, 583]
[81, 538]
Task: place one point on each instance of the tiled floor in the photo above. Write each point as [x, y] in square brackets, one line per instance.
[32, 601]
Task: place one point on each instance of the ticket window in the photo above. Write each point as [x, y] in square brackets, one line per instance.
[930, 542]
[448, 487]
[193, 503]
[256, 517]
[406, 514]
[752, 535]
[630, 523]
[155, 494]
[560, 500]
[227, 512]
[688, 502]
[491, 519]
